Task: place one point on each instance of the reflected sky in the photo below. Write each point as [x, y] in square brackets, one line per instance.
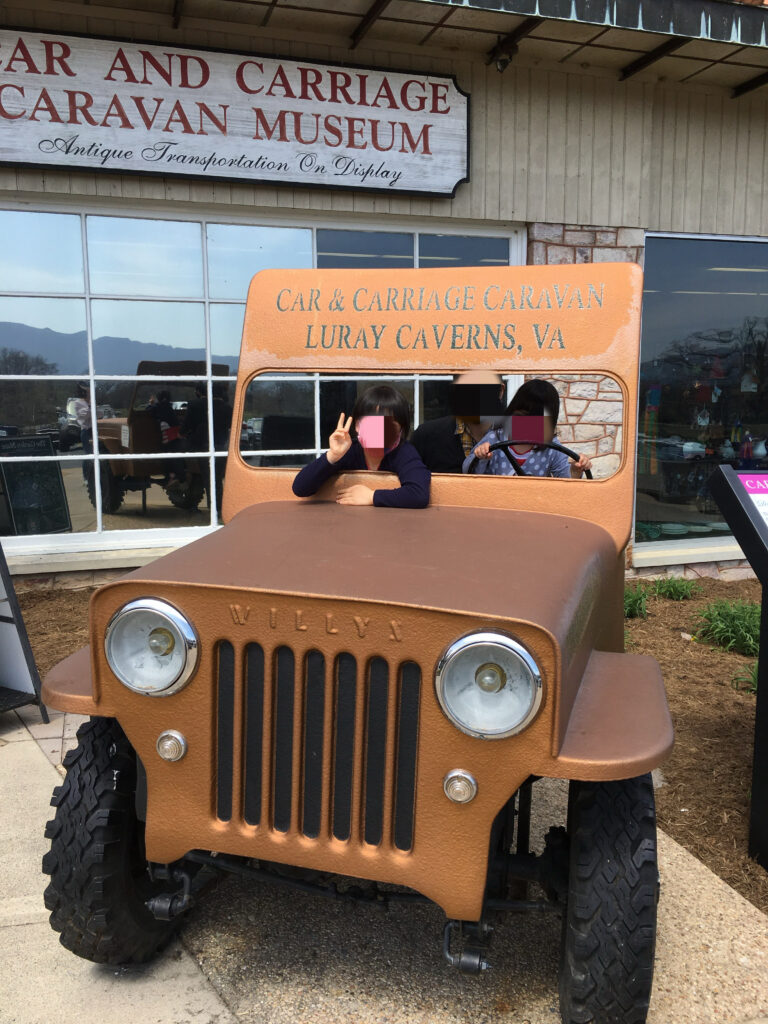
[237, 251]
[700, 285]
[41, 252]
[128, 256]
[145, 330]
[226, 332]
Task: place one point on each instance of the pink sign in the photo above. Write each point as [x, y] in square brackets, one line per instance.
[755, 483]
[756, 486]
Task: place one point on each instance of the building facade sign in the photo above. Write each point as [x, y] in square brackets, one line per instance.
[73, 102]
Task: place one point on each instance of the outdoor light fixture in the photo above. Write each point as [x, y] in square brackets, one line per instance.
[151, 647]
[459, 786]
[171, 745]
[488, 685]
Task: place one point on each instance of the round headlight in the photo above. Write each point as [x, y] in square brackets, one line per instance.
[151, 647]
[488, 685]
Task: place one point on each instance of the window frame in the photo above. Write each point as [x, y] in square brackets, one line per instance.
[650, 553]
[34, 547]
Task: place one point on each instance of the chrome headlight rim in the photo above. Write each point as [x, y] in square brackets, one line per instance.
[185, 630]
[511, 644]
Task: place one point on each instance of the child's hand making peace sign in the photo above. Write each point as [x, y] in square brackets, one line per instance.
[339, 442]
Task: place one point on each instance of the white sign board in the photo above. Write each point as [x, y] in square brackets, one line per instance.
[73, 102]
[756, 486]
[18, 674]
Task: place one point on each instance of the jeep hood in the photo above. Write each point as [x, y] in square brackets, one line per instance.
[521, 565]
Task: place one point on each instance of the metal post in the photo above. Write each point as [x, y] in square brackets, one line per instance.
[758, 811]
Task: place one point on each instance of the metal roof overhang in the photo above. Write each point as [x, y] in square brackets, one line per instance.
[715, 20]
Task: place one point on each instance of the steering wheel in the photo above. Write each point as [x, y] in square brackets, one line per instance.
[505, 446]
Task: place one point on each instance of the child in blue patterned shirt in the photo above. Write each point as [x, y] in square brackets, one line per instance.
[535, 398]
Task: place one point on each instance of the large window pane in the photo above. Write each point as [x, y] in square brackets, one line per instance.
[703, 378]
[337, 396]
[462, 251]
[128, 256]
[127, 333]
[41, 252]
[34, 497]
[364, 249]
[279, 415]
[236, 252]
[226, 333]
[29, 408]
[43, 336]
[141, 495]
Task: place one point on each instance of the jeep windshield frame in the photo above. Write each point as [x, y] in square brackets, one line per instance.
[574, 319]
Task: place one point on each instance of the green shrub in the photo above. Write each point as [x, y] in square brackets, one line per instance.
[675, 589]
[746, 679]
[734, 625]
[635, 602]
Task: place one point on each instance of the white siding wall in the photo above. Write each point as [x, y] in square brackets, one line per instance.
[577, 147]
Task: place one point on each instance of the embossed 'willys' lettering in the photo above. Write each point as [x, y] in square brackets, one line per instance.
[314, 622]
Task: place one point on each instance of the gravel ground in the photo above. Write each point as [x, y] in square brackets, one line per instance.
[278, 956]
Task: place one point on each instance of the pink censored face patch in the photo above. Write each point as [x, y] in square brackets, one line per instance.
[533, 429]
[378, 433]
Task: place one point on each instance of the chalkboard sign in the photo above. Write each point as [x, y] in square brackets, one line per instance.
[742, 497]
[33, 499]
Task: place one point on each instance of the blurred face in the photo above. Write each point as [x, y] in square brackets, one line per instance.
[533, 429]
[378, 434]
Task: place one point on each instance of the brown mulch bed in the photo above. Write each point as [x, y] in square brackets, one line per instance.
[704, 804]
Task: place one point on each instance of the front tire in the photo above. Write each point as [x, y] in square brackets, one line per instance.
[99, 880]
[111, 489]
[609, 925]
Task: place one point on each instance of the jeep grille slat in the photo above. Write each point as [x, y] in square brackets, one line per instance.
[407, 747]
[376, 749]
[226, 725]
[283, 751]
[314, 719]
[343, 767]
[254, 733]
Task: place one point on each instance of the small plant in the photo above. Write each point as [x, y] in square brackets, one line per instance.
[635, 602]
[734, 625]
[675, 589]
[746, 679]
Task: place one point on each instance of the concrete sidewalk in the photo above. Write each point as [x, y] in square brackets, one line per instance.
[278, 956]
[40, 981]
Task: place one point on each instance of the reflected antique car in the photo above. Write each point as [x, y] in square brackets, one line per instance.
[141, 433]
[318, 693]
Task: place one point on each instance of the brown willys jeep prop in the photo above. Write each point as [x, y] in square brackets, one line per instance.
[369, 692]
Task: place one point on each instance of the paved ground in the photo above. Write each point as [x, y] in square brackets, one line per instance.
[264, 956]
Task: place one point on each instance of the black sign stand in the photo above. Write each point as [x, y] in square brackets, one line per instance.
[742, 512]
[19, 679]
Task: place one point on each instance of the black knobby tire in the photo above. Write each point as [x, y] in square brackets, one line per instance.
[609, 925]
[111, 489]
[99, 880]
[189, 497]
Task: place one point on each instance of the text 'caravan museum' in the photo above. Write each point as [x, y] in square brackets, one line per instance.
[154, 157]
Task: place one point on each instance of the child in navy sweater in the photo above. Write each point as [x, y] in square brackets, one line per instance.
[381, 420]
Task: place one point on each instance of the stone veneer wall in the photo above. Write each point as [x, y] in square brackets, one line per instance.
[591, 410]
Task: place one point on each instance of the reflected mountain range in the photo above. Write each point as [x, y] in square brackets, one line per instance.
[67, 353]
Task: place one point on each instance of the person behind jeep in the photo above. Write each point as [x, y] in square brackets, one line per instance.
[381, 419]
[476, 400]
[535, 400]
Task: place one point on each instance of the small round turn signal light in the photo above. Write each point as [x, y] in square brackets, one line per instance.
[171, 745]
[459, 786]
